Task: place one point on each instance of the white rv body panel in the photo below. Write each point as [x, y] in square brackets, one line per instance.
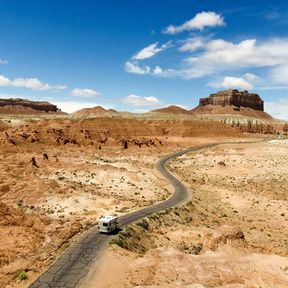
[108, 224]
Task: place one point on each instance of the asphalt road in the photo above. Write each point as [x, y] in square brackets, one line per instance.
[71, 267]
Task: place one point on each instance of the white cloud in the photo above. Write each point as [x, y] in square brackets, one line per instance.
[150, 51]
[158, 70]
[208, 57]
[250, 77]
[279, 74]
[219, 55]
[3, 61]
[84, 92]
[133, 67]
[4, 81]
[223, 54]
[199, 22]
[230, 82]
[140, 101]
[192, 45]
[278, 109]
[30, 83]
[8, 96]
[264, 88]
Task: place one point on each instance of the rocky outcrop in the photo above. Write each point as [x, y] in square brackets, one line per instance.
[38, 106]
[234, 98]
[226, 234]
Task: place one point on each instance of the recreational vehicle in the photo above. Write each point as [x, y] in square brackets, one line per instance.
[108, 224]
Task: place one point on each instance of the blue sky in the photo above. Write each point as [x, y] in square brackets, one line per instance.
[142, 55]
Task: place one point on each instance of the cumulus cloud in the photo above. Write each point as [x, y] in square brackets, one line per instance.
[158, 70]
[222, 54]
[2, 61]
[84, 92]
[133, 67]
[192, 45]
[219, 55]
[199, 22]
[278, 109]
[206, 57]
[161, 72]
[30, 83]
[250, 77]
[139, 101]
[151, 51]
[230, 82]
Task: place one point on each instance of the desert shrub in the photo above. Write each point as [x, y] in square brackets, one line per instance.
[22, 275]
[143, 223]
[117, 241]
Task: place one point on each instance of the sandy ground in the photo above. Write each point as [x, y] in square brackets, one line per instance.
[232, 234]
[70, 194]
[47, 205]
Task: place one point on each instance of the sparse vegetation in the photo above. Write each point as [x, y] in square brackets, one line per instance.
[22, 275]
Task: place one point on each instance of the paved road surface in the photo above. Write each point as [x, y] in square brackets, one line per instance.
[70, 268]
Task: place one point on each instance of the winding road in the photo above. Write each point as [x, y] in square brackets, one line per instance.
[71, 267]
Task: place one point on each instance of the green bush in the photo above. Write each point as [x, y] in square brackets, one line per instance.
[117, 241]
[22, 275]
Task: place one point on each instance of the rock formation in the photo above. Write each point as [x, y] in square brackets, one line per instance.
[223, 235]
[234, 98]
[17, 103]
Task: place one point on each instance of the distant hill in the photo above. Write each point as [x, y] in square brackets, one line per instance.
[15, 106]
[94, 111]
[172, 109]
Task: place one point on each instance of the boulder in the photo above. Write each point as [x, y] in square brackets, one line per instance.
[226, 234]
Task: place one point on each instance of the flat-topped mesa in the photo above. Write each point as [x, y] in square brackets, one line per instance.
[234, 97]
[42, 106]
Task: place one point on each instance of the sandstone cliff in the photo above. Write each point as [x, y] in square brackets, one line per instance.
[24, 106]
[234, 98]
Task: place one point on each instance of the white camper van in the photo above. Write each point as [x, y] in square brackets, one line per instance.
[108, 224]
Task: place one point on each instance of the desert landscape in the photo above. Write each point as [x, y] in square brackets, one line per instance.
[61, 172]
[144, 144]
[232, 233]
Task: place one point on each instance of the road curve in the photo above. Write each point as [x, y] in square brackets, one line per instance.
[70, 268]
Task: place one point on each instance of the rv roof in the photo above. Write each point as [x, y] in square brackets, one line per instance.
[107, 218]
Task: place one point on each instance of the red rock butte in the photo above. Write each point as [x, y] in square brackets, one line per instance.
[20, 106]
[234, 97]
